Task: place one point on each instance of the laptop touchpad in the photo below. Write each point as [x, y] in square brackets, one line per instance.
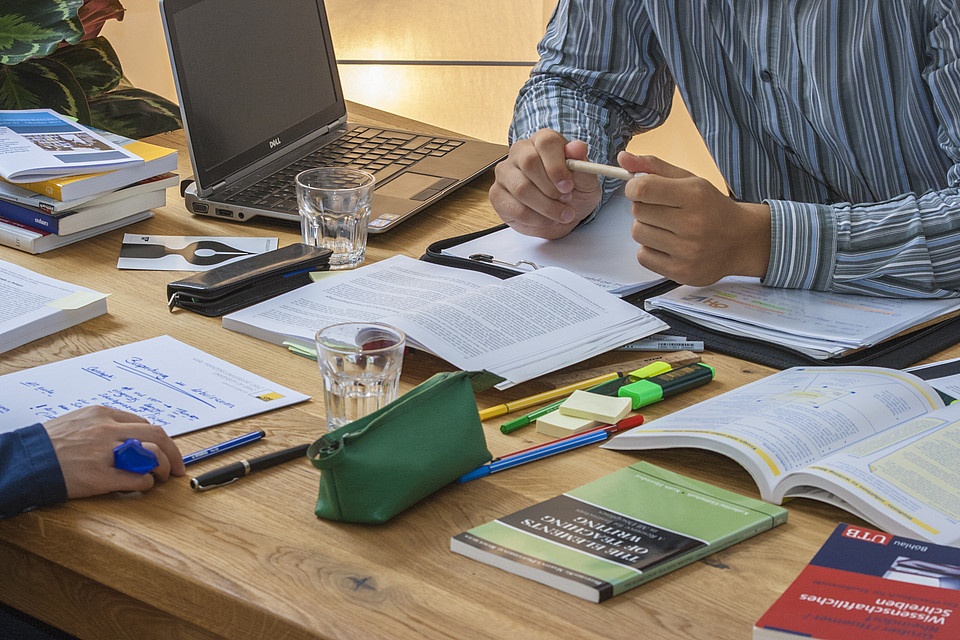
[409, 185]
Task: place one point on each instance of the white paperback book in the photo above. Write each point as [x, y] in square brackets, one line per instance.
[33, 305]
[518, 328]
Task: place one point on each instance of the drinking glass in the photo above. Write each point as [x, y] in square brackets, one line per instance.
[360, 363]
[334, 205]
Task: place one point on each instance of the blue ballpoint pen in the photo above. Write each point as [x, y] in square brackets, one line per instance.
[558, 446]
[223, 447]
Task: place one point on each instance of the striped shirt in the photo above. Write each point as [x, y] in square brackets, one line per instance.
[842, 115]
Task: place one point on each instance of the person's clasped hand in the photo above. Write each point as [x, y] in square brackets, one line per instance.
[689, 231]
[84, 440]
[534, 191]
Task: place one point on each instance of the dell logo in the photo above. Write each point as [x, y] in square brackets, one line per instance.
[275, 143]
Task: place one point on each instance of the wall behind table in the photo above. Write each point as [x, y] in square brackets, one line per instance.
[496, 37]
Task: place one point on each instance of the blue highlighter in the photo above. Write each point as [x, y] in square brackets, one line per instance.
[134, 457]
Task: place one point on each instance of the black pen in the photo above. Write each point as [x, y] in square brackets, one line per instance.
[234, 471]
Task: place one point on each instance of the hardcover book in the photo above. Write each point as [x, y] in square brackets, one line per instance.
[618, 532]
[865, 584]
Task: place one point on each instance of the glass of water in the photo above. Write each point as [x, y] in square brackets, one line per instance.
[334, 205]
[360, 363]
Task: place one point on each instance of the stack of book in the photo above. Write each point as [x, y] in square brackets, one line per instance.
[61, 182]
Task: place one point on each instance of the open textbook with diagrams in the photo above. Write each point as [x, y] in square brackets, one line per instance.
[518, 328]
[877, 442]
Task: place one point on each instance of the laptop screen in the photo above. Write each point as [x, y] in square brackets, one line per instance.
[253, 78]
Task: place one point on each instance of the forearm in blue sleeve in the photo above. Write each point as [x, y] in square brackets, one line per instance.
[30, 474]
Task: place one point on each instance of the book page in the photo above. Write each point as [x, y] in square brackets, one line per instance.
[791, 419]
[518, 328]
[905, 480]
[818, 323]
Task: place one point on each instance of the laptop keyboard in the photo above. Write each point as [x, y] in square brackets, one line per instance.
[380, 152]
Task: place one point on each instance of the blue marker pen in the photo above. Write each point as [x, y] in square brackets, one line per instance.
[223, 447]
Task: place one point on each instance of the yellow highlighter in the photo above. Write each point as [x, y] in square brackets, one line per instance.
[652, 369]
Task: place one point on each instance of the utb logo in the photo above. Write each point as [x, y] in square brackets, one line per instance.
[867, 535]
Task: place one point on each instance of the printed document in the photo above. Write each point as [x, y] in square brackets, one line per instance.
[817, 323]
[33, 306]
[602, 251]
[517, 328]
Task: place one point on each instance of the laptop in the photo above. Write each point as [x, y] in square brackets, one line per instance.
[261, 101]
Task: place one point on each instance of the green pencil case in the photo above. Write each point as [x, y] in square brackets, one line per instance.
[379, 465]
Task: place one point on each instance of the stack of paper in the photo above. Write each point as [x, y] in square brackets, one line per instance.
[816, 323]
[602, 251]
[35, 306]
[518, 328]
[63, 182]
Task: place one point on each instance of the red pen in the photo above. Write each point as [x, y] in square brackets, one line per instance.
[627, 423]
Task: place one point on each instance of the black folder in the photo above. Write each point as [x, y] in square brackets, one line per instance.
[897, 352]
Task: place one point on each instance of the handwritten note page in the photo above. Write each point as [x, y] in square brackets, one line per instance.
[169, 383]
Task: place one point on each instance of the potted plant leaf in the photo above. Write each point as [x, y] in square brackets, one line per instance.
[52, 56]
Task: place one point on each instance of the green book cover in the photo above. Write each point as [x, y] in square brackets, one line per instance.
[618, 532]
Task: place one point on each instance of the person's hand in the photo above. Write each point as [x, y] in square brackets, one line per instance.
[536, 194]
[84, 441]
[689, 231]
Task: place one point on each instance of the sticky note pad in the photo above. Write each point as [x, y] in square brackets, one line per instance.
[558, 425]
[593, 406]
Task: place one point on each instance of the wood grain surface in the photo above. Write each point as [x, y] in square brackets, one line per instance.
[251, 561]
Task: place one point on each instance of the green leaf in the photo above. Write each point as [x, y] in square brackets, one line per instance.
[34, 28]
[43, 83]
[93, 63]
[134, 113]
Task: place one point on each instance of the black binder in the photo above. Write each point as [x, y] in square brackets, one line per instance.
[897, 352]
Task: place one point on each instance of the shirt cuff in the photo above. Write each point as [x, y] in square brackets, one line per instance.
[803, 246]
[31, 474]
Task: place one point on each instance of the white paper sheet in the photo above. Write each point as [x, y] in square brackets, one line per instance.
[171, 384]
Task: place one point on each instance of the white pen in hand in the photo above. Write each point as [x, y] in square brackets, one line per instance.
[600, 169]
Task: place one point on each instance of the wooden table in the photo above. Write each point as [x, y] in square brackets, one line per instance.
[251, 561]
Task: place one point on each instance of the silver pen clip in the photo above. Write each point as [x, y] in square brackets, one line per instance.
[486, 257]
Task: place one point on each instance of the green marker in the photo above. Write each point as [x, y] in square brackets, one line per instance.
[656, 388]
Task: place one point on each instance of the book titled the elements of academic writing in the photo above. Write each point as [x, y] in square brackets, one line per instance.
[618, 532]
[869, 585]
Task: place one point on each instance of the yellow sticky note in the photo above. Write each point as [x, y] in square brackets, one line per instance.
[77, 299]
[559, 426]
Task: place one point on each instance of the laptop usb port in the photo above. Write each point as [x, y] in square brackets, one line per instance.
[226, 213]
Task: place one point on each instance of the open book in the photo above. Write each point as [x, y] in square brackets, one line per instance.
[876, 442]
[820, 324]
[36, 144]
[518, 328]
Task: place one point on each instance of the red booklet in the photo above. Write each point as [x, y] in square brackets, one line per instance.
[869, 585]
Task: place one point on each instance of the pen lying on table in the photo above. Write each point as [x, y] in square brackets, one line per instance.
[223, 447]
[236, 470]
[598, 434]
